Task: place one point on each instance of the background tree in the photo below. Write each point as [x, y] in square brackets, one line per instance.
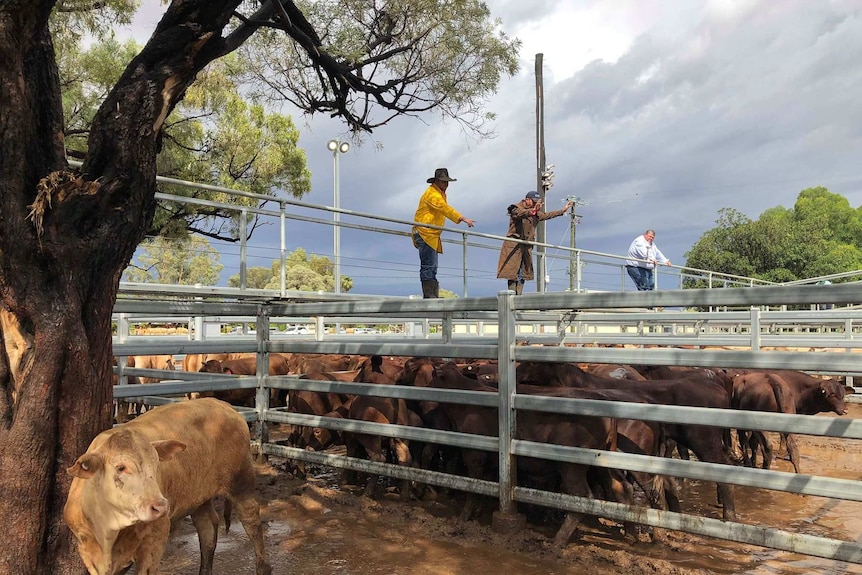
[186, 261]
[819, 236]
[444, 293]
[215, 135]
[304, 273]
[67, 235]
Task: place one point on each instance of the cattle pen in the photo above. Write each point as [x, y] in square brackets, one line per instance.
[753, 330]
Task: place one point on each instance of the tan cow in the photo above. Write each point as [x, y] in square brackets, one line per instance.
[168, 463]
[194, 361]
[166, 362]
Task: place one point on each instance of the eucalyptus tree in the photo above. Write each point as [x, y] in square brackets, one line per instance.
[67, 234]
[820, 235]
[303, 272]
[182, 261]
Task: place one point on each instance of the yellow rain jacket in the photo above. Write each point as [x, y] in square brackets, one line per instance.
[434, 210]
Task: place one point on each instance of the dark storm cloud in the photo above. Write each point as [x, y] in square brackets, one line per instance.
[741, 114]
[691, 108]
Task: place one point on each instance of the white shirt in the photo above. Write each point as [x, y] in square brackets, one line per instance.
[643, 249]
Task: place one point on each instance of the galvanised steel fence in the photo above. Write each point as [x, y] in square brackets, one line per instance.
[449, 329]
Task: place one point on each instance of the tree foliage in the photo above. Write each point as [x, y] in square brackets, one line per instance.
[66, 235]
[820, 235]
[369, 62]
[186, 261]
[444, 293]
[304, 273]
[215, 136]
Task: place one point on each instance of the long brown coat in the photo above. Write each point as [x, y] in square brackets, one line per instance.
[522, 225]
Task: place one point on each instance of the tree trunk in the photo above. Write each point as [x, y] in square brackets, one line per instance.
[65, 238]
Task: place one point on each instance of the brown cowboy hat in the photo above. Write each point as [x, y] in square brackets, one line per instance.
[441, 174]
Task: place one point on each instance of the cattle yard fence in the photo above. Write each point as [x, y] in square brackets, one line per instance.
[558, 327]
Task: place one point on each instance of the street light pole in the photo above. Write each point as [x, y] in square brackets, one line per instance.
[336, 147]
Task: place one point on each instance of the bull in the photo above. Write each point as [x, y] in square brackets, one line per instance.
[166, 464]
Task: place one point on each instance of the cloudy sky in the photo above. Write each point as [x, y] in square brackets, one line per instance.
[657, 114]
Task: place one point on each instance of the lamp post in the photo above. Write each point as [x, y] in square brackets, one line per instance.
[336, 147]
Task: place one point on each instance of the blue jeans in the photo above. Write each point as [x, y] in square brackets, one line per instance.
[427, 259]
[642, 277]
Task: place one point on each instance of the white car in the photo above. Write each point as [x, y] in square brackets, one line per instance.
[296, 330]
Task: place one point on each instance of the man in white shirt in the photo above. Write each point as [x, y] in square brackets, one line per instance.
[644, 255]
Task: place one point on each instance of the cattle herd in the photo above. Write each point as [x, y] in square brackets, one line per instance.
[173, 461]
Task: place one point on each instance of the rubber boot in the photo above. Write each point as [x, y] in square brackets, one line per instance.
[519, 288]
[513, 286]
[428, 289]
[435, 288]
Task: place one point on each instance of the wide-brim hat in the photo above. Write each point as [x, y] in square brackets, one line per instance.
[441, 174]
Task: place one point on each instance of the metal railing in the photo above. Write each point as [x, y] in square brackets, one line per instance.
[507, 312]
[605, 271]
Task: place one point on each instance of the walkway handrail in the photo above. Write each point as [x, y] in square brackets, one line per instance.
[577, 253]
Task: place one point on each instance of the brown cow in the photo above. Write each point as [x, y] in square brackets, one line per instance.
[381, 410]
[666, 372]
[582, 431]
[373, 369]
[615, 371]
[783, 391]
[707, 443]
[483, 370]
[168, 463]
[243, 366]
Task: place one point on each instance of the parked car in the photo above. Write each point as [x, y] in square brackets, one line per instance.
[296, 330]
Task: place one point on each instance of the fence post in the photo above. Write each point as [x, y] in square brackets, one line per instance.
[199, 320]
[261, 400]
[755, 329]
[446, 327]
[578, 273]
[282, 258]
[464, 261]
[243, 249]
[506, 520]
[122, 362]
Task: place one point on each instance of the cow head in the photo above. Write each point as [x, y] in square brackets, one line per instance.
[211, 366]
[119, 475]
[418, 371]
[832, 393]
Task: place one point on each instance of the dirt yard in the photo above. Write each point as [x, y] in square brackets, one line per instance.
[314, 528]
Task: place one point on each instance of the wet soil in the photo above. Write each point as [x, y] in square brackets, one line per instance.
[315, 528]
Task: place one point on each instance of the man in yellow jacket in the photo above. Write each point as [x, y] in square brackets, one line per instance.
[433, 209]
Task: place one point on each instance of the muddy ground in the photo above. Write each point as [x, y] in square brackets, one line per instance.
[315, 528]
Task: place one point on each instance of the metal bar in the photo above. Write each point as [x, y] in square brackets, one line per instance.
[479, 486]
[725, 418]
[506, 410]
[454, 438]
[850, 490]
[741, 533]
[395, 391]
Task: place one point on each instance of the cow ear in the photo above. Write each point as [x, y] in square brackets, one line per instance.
[85, 466]
[848, 389]
[167, 448]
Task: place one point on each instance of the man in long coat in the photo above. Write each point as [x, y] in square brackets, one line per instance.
[516, 259]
